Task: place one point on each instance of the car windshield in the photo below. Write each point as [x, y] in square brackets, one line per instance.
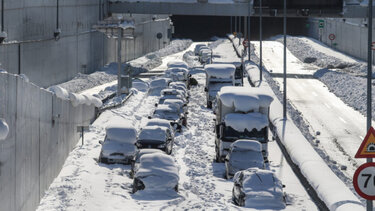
[231, 134]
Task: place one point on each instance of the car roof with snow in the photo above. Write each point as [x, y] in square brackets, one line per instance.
[174, 101]
[249, 121]
[177, 64]
[262, 188]
[160, 82]
[246, 144]
[158, 172]
[244, 99]
[177, 69]
[178, 83]
[166, 108]
[121, 131]
[220, 70]
[170, 91]
[142, 152]
[158, 133]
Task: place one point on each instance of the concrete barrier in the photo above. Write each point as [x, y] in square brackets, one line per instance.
[43, 130]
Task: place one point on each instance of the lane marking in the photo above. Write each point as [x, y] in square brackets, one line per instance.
[327, 105]
[342, 120]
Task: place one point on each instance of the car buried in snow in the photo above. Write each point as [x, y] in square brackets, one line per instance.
[172, 94]
[258, 189]
[243, 154]
[178, 64]
[179, 86]
[118, 145]
[155, 137]
[161, 123]
[171, 113]
[137, 159]
[178, 74]
[198, 48]
[156, 172]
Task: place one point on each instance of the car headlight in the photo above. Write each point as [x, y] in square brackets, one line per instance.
[161, 146]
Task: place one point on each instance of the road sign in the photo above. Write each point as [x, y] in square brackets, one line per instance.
[367, 148]
[159, 35]
[321, 24]
[245, 43]
[332, 36]
[364, 181]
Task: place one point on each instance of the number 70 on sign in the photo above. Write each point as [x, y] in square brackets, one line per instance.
[364, 181]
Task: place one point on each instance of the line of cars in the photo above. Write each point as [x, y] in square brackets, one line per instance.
[149, 151]
[241, 138]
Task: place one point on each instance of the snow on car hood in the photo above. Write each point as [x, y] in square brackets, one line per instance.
[115, 149]
[244, 99]
[262, 188]
[158, 172]
[248, 121]
[220, 70]
[121, 131]
[156, 133]
[182, 64]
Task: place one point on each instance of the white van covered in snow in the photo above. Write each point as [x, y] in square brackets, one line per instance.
[218, 76]
[241, 113]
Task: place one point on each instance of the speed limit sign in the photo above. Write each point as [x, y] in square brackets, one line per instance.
[364, 181]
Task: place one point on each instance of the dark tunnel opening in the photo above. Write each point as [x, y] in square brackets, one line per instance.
[202, 28]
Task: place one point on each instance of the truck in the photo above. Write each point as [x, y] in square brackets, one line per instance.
[218, 76]
[241, 113]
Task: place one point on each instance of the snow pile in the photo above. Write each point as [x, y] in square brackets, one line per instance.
[245, 144]
[25, 78]
[80, 99]
[153, 133]
[304, 51]
[109, 72]
[4, 129]
[222, 71]
[158, 172]
[121, 130]
[262, 188]
[241, 122]
[59, 92]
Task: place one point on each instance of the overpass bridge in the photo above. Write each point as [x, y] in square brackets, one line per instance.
[271, 8]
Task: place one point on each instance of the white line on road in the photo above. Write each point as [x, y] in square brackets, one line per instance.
[342, 120]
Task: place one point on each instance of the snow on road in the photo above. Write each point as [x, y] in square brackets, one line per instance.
[85, 184]
[341, 129]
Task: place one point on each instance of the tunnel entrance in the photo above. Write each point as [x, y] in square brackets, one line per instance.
[203, 28]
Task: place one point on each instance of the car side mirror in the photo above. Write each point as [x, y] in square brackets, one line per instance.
[149, 117]
[205, 89]
[101, 142]
[284, 186]
[156, 105]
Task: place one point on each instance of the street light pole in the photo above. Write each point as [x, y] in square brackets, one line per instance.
[284, 77]
[249, 32]
[369, 88]
[260, 40]
[119, 38]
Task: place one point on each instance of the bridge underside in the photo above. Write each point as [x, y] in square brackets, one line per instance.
[231, 9]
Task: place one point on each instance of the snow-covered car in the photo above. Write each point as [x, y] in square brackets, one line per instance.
[176, 102]
[172, 94]
[155, 137]
[181, 64]
[161, 123]
[178, 85]
[198, 48]
[258, 189]
[137, 159]
[173, 73]
[205, 56]
[160, 83]
[118, 145]
[243, 154]
[157, 172]
[171, 113]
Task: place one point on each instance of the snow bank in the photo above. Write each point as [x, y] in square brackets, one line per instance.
[158, 172]
[246, 144]
[59, 92]
[153, 133]
[220, 70]
[121, 130]
[80, 99]
[4, 129]
[248, 121]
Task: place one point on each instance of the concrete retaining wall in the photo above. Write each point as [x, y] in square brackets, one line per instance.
[42, 133]
[351, 35]
[32, 50]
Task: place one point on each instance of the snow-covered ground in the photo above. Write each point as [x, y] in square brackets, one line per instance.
[84, 184]
[335, 129]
